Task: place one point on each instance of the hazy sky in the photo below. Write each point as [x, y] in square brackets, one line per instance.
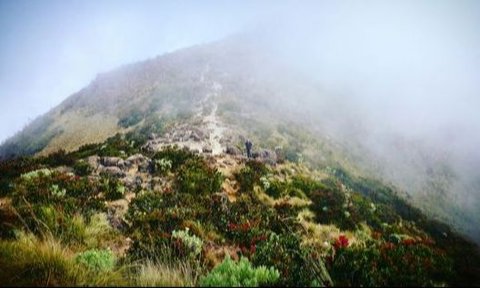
[51, 49]
[415, 63]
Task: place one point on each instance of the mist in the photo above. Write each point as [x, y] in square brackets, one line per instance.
[388, 75]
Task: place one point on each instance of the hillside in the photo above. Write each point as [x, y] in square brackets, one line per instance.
[141, 179]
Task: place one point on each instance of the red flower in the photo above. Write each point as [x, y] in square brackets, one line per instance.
[408, 242]
[341, 242]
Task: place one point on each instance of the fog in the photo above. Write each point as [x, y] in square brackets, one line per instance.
[399, 70]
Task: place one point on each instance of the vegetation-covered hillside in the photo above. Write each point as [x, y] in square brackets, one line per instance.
[117, 213]
[243, 84]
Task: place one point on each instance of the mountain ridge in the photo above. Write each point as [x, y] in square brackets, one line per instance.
[256, 101]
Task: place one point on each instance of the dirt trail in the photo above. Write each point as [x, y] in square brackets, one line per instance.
[214, 125]
[210, 135]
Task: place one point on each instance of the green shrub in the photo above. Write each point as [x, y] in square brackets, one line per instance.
[162, 166]
[331, 206]
[192, 243]
[118, 146]
[283, 252]
[82, 168]
[408, 263]
[196, 177]
[250, 175]
[97, 260]
[112, 188]
[36, 173]
[175, 156]
[239, 274]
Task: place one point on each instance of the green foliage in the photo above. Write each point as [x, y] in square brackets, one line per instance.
[58, 158]
[162, 166]
[175, 156]
[283, 251]
[330, 205]
[409, 263]
[405, 248]
[379, 193]
[86, 150]
[82, 168]
[296, 187]
[119, 146]
[97, 260]
[49, 201]
[192, 243]
[196, 177]
[11, 169]
[153, 216]
[239, 274]
[36, 173]
[112, 188]
[250, 175]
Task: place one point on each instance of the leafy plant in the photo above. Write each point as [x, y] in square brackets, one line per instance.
[82, 168]
[192, 243]
[283, 251]
[196, 177]
[163, 165]
[250, 175]
[97, 260]
[241, 273]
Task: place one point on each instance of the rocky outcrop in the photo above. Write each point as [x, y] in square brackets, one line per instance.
[112, 161]
[232, 150]
[136, 159]
[265, 155]
[207, 149]
[112, 171]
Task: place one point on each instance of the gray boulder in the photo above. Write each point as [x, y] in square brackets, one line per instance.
[112, 170]
[266, 156]
[110, 161]
[136, 159]
[232, 150]
[207, 149]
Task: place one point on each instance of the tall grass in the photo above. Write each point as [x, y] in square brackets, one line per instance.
[163, 268]
[166, 274]
[30, 261]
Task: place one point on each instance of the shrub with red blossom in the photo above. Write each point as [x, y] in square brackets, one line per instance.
[341, 242]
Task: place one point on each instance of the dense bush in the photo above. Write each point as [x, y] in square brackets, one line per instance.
[112, 188]
[118, 146]
[162, 166]
[48, 201]
[239, 274]
[191, 243]
[97, 260]
[250, 175]
[175, 156]
[196, 177]
[154, 217]
[283, 251]
[82, 168]
[408, 263]
[331, 206]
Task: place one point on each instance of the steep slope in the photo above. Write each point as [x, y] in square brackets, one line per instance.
[213, 96]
